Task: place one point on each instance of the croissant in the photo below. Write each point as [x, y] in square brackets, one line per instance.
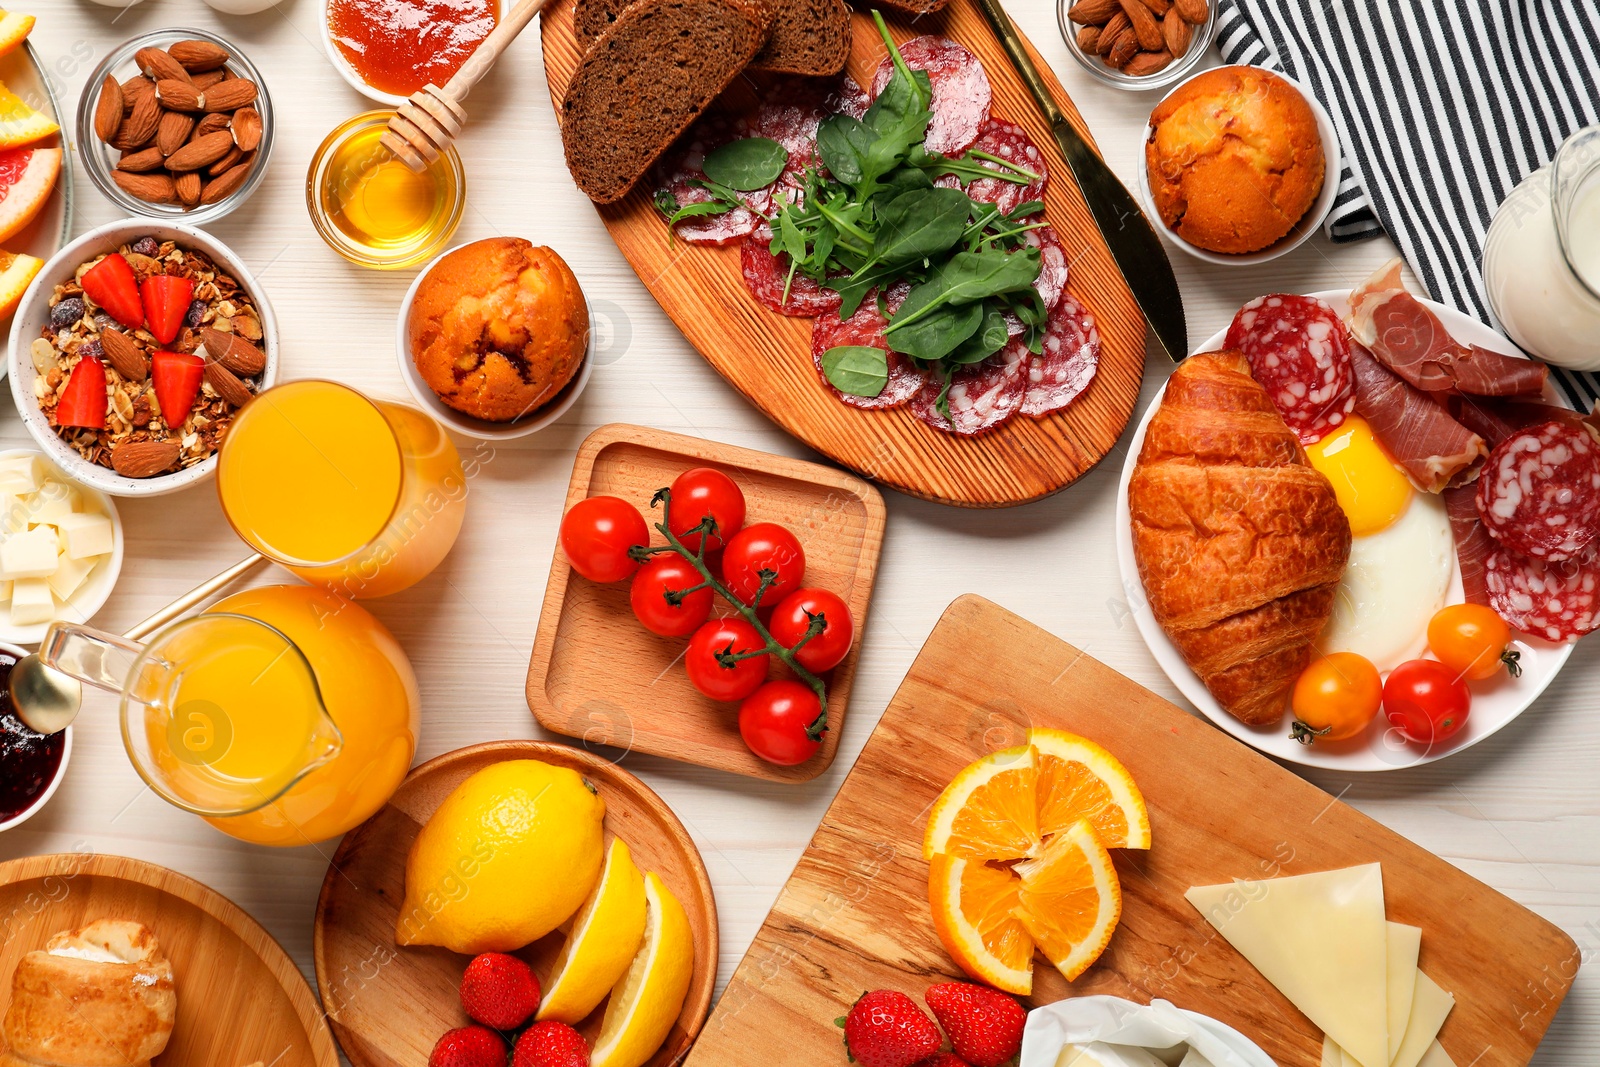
[1240, 543]
[102, 996]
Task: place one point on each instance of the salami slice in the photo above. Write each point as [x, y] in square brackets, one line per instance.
[981, 397]
[1012, 144]
[790, 113]
[961, 93]
[866, 327]
[1298, 351]
[850, 99]
[1558, 600]
[1539, 491]
[683, 165]
[1052, 280]
[1059, 375]
[766, 274]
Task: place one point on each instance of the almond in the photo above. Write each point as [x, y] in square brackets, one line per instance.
[1158, 7]
[1093, 12]
[145, 159]
[227, 162]
[1193, 11]
[227, 385]
[1088, 39]
[140, 125]
[230, 95]
[133, 89]
[209, 124]
[1111, 31]
[1177, 33]
[144, 459]
[108, 110]
[1144, 25]
[158, 66]
[233, 352]
[174, 131]
[225, 185]
[1123, 49]
[247, 128]
[155, 188]
[1146, 63]
[196, 56]
[180, 95]
[188, 186]
[209, 78]
[125, 355]
[201, 152]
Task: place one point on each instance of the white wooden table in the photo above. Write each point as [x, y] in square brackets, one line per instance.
[1520, 811]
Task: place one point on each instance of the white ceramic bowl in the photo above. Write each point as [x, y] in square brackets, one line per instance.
[33, 313]
[466, 424]
[61, 768]
[347, 72]
[1309, 223]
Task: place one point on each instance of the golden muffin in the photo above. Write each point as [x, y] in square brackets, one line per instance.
[1234, 159]
[498, 328]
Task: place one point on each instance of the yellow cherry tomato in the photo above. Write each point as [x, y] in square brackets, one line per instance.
[1473, 641]
[1335, 698]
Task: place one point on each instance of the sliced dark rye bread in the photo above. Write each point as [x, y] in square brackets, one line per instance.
[642, 83]
[810, 37]
[909, 7]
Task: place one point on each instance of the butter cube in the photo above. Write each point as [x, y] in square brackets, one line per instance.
[31, 602]
[13, 514]
[28, 555]
[20, 474]
[70, 574]
[47, 506]
[5, 592]
[84, 534]
[15, 483]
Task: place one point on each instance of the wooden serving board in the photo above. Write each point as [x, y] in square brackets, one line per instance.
[854, 915]
[389, 1005]
[240, 998]
[767, 357]
[599, 676]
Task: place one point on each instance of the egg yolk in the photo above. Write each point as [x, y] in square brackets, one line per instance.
[1370, 488]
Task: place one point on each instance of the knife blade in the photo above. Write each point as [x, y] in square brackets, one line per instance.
[1133, 242]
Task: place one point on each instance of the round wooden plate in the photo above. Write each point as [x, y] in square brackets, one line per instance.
[240, 998]
[388, 1005]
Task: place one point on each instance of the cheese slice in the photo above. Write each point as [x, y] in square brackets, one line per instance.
[1322, 940]
[1332, 1054]
[1405, 942]
[1430, 1005]
[1436, 1056]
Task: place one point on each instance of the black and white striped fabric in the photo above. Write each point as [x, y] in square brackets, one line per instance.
[1442, 108]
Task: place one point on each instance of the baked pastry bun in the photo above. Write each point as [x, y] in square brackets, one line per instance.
[1240, 543]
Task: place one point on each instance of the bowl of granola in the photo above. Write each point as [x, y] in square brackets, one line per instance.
[132, 351]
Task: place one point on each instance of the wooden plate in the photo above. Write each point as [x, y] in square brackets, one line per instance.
[855, 914]
[767, 357]
[388, 1005]
[596, 674]
[240, 998]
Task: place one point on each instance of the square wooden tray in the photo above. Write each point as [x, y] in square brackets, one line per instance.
[599, 676]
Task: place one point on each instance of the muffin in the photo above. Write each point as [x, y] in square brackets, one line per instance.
[1234, 159]
[498, 328]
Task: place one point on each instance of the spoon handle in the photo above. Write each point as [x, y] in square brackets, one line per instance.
[205, 591]
[483, 57]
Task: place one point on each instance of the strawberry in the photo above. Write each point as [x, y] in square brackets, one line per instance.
[110, 283]
[176, 377]
[499, 990]
[83, 402]
[550, 1044]
[166, 304]
[887, 1029]
[469, 1046]
[942, 1059]
[985, 1026]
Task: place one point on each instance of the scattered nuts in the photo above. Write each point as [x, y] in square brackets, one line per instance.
[227, 385]
[108, 110]
[1138, 37]
[154, 188]
[233, 352]
[125, 355]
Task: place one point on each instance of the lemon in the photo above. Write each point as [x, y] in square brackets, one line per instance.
[508, 857]
[648, 1000]
[605, 937]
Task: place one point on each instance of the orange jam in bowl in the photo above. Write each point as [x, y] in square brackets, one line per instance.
[398, 46]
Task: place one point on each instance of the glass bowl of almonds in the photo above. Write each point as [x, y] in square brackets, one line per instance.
[1137, 44]
[175, 124]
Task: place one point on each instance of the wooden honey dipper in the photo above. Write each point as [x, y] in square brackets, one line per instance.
[424, 126]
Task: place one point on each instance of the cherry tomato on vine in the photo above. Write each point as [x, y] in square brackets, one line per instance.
[648, 595]
[596, 535]
[790, 621]
[1335, 697]
[1425, 700]
[773, 722]
[1473, 641]
[700, 492]
[764, 546]
[712, 678]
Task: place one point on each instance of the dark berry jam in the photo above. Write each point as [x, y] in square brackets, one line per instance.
[28, 761]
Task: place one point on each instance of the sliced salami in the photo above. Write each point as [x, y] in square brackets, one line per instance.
[1052, 280]
[1558, 600]
[765, 275]
[961, 93]
[850, 99]
[981, 397]
[1298, 351]
[866, 327]
[684, 165]
[1059, 375]
[790, 113]
[1010, 143]
[1539, 491]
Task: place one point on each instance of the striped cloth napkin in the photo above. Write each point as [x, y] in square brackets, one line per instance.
[1441, 110]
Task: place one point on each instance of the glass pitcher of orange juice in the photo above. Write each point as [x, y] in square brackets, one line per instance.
[362, 496]
[284, 715]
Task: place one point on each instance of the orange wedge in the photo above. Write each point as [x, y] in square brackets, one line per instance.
[974, 909]
[14, 29]
[16, 271]
[1069, 899]
[19, 123]
[989, 811]
[1080, 780]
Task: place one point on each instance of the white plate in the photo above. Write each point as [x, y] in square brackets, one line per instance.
[1494, 703]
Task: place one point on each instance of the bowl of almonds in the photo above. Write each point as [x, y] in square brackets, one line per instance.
[175, 124]
[1137, 44]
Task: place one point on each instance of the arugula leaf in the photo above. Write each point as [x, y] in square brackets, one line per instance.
[859, 370]
[1024, 209]
[964, 278]
[920, 224]
[842, 145]
[747, 164]
[990, 338]
[938, 332]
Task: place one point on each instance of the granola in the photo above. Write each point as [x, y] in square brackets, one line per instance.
[78, 327]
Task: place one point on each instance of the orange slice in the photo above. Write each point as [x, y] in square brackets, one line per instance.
[16, 271]
[989, 811]
[973, 911]
[1080, 780]
[27, 178]
[14, 29]
[19, 123]
[1069, 899]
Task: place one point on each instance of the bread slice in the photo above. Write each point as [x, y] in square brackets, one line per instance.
[809, 37]
[641, 84]
[909, 7]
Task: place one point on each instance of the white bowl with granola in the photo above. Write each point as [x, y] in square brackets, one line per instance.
[132, 350]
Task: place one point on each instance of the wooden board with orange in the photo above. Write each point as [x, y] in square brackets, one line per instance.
[855, 914]
[767, 357]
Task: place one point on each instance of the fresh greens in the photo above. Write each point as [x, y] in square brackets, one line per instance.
[859, 370]
[747, 164]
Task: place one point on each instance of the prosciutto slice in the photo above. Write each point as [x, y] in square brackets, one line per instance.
[1411, 341]
[1474, 545]
[1421, 436]
[1497, 418]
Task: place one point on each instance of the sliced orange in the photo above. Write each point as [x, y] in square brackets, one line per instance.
[16, 271]
[989, 811]
[1080, 780]
[974, 909]
[14, 29]
[1069, 899]
[20, 124]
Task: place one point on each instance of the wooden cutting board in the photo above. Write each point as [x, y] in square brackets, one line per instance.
[767, 357]
[854, 915]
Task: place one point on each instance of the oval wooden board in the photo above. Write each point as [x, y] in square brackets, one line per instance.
[240, 998]
[389, 1005]
[767, 357]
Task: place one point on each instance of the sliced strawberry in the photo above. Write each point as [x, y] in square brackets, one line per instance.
[111, 284]
[177, 377]
[83, 402]
[166, 303]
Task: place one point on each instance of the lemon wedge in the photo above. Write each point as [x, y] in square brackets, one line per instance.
[606, 935]
[648, 1000]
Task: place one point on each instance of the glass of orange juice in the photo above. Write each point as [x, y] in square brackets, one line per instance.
[362, 496]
